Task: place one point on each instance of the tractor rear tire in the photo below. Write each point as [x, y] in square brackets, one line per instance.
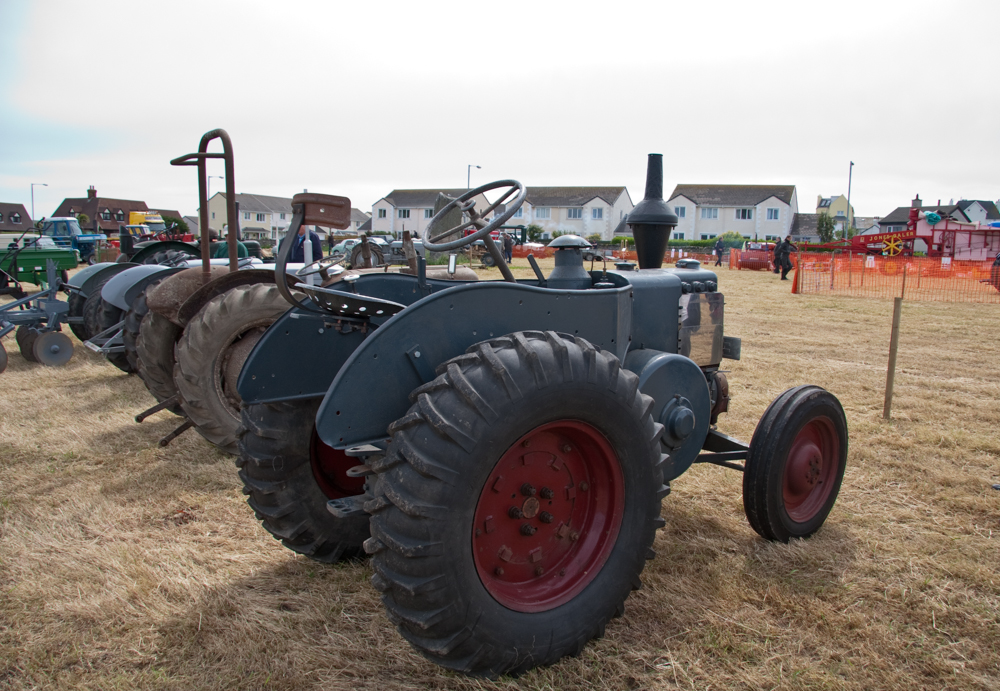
[107, 317]
[3, 358]
[512, 430]
[357, 259]
[26, 338]
[76, 302]
[91, 311]
[211, 352]
[154, 348]
[285, 486]
[795, 464]
[488, 260]
[133, 322]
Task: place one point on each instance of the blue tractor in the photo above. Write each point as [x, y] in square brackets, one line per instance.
[502, 448]
[66, 232]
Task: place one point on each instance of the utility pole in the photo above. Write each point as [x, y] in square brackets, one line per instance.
[468, 176]
[850, 172]
[43, 184]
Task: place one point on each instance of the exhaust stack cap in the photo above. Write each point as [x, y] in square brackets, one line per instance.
[652, 220]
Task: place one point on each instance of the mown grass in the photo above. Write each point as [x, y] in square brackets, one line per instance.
[123, 565]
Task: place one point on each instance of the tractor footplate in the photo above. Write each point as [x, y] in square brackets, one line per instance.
[348, 304]
[364, 450]
[347, 507]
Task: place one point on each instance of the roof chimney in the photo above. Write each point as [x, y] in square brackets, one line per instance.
[91, 192]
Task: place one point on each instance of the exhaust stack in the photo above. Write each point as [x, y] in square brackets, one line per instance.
[652, 220]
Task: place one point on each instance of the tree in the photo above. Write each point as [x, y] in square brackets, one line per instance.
[825, 227]
[594, 238]
[83, 219]
[534, 232]
[732, 239]
[182, 226]
[851, 232]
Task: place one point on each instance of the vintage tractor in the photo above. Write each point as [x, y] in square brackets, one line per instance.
[511, 441]
[38, 318]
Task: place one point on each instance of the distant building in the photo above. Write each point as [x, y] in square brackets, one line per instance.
[582, 211]
[804, 228]
[105, 215]
[14, 218]
[762, 212]
[262, 216]
[979, 211]
[838, 208]
[192, 222]
[411, 210]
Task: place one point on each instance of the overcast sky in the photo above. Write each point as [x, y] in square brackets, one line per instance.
[359, 98]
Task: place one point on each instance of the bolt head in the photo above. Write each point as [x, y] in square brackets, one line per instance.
[545, 517]
[498, 570]
[567, 448]
[547, 493]
[539, 571]
[514, 512]
[584, 486]
[528, 529]
[528, 490]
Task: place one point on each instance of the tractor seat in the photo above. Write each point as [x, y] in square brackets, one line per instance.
[343, 304]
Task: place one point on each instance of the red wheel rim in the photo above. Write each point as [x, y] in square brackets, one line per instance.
[330, 468]
[548, 516]
[811, 470]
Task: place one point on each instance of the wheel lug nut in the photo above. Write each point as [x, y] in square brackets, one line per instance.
[514, 512]
[539, 571]
[527, 490]
[547, 493]
[498, 570]
[545, 517]
[526, 443]
[528, 529]
[584, 486]
[574, 536]
[567, 448]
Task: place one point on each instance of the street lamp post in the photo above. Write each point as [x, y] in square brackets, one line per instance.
[850, 172]
[468, 176]
[33, 185]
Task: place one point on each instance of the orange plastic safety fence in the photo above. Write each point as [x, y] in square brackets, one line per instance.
[926, 279]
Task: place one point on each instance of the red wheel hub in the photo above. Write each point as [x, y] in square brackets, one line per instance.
[811, 469]
[330, 468]
[548, 516]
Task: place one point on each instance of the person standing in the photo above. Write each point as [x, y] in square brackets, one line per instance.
[783, 256]
[718, 251]
[508, 247]
[297, 254]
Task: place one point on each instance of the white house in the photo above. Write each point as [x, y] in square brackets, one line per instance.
[582, 211]
[411, 209]
[979, 211]
[753, 211]
[263, 217]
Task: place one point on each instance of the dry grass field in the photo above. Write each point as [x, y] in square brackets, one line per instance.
[127, 566]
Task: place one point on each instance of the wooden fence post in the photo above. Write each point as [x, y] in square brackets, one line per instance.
[890, 377]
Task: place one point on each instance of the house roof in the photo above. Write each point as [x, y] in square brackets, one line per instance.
[94, 206]
[261, 203]
[733, 195]
[410, 199]
[572, 196]
[902, 213]
[366, 226]
[193, 222]
[359, 215]
[992, 213]
[804, 224]
[7, 209]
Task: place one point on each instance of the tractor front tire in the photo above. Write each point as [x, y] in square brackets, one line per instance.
[107, 317]
[211, 353]
[795, 464]
[91, 312]
[288, 485]
[358, 260]
[517, 503]
[76, 302]
[154, 348]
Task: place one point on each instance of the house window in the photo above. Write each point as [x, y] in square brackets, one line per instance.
[542, 212]
[679, 236]
[381, 213]
[106, 215]
[119, 216]
[772, 214]
[519, 213]
[428, 213]
[246, 215]
[709, 214]
[213, 215]
[704, 236]
[403, 213]
[1, 217]
[744, 214]
[840, 214]
[15, 217]
[282, 216]
[260, 217]
[574, 213]
[681, 211]
[597, 214]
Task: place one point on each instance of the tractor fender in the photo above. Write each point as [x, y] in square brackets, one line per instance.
[123, 287]
[217, 286]
[372, 388]
[94, 275]
[144, 250]
[167, 296]
[682, 403]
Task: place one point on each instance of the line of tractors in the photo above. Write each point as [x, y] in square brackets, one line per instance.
[508, 476]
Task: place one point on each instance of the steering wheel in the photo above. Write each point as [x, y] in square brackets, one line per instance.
[321, 266]
[467, 204]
